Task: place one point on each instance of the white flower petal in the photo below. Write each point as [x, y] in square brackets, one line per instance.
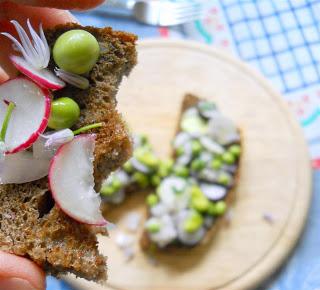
[72, 79]
[36, 50]
[26, 43]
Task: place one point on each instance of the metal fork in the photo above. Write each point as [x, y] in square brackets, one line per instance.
[156, 12]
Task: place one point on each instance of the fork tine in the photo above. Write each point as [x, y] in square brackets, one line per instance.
[186, 9]
[187, 15]
[187, 5]
[181, 15]
[181, 19]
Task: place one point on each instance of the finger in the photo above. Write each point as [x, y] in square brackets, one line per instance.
[62, 4]
[49, 17]
[15, 269]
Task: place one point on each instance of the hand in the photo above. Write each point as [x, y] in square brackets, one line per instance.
[17, 273]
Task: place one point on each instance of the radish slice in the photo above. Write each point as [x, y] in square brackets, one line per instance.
[213, 192]
[189, 239]
[71, 181]
[43, 77]
[22, 167]
[222, 129]
[29, 117]
[173, 193]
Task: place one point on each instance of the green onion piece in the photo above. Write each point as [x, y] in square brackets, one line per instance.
[6, 120]
[86, 128]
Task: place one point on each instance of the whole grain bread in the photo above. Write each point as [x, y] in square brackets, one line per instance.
[146, 244]
[31, 223]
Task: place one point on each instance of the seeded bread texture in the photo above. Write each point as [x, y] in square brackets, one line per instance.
[32, 225]
[146, 244]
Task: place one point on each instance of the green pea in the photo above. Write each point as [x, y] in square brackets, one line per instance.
[196, 147]
[140, 179]
[155, 180]
[146, 157]
[200, 204]
[128, 167]
[153, 227]
[76, 51]
[235, 150]
[211, 208]
[65, 113]
[197, 165]
[181, 171]
[152, 199]
[224, 178]
[216, 164]
[193, 223]
[218, 208]
[196, 191]
[228, 158]
[144, 139]
[165, 168]
[198, 200]
[116, 184]
[107, 190]
[180, 151]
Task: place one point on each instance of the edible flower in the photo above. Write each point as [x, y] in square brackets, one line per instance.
[72, 78]
[35, 52]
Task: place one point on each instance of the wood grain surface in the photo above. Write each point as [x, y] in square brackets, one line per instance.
[275, 171]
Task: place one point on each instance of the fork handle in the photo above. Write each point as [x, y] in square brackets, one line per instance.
[118, 4]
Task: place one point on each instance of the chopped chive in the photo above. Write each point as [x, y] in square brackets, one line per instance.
[6, 120]
[86, 128]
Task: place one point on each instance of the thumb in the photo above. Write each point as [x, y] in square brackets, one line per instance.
[17, 273]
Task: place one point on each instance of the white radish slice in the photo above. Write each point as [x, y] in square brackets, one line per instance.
[186, 157]
[173, 193]
[205, 157]
[208, 175]
[71, 180]
[159, 209]
[22, 167]
[188, 239]
[29, 117]
[139, 166]
[167, 232]
[222, 129]
[211, 145]
[230, 168]
[181, 139]
[191, 239]
[43, 77]
[207, 109]
[213, 191]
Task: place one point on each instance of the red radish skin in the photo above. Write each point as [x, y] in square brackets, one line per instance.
[43, 124]
[51, 186]
[40, 80]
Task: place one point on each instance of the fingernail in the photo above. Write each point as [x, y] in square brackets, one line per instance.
[15, 284]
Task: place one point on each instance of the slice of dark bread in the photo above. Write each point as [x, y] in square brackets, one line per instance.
[146, 244]
[31, 224]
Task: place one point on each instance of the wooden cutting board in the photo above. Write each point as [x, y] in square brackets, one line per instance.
[275, 171]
